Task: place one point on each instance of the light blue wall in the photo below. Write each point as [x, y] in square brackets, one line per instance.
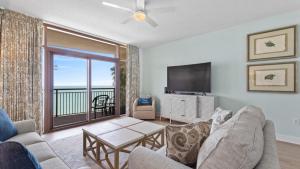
[226, 49]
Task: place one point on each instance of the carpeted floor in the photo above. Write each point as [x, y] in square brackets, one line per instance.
[70, 150]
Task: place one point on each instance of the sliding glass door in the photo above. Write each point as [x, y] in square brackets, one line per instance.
[70, 99]
[103, 88]
[84, 88]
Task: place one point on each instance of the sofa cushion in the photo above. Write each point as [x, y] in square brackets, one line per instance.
[25, 126]
[41, 151]
[7, 127]
[27, 138]
[184, 141]
[238, 144]
[15, 155]
[219, 117]
[144, 108]
[162, 151]
[144, 158]
[54, 163]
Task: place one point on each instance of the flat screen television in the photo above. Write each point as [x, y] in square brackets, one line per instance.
[193, 78]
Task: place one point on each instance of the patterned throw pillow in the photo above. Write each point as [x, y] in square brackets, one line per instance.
[219, 117]
[184, 141]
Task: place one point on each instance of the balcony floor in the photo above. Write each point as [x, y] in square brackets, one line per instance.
[76, 118]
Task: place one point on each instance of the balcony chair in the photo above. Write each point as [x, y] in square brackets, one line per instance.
[100, 103]
[146, 112]
[111, 105]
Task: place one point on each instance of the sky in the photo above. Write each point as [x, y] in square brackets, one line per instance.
[72, 72]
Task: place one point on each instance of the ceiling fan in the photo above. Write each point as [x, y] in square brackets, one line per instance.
[139, 13]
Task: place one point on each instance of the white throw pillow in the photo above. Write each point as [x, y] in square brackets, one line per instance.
[219, 117]
[238, 144]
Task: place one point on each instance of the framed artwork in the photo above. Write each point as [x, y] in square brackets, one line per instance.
[276, 77]
[272, 44]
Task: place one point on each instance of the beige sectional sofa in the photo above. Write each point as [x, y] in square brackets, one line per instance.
[246, 141]
[37, 146]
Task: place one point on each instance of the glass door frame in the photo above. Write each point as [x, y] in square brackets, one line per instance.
[48, 85]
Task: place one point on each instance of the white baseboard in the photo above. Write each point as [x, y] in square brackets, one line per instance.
[288, 139]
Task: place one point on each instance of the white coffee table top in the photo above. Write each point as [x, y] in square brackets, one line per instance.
[126, 121]
[118, 138]
[101, 128]
[146, 128]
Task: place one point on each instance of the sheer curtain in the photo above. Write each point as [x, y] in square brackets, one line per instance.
[132, 77]
[20, 66]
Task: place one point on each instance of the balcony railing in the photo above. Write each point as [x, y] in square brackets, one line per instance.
[74, 101]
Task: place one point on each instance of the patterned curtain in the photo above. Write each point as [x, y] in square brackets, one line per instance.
[20, 66]
[132, 77]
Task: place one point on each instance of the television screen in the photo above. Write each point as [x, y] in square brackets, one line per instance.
[189, 78]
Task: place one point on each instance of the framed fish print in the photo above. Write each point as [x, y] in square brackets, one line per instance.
[276, 77]
[272, 44]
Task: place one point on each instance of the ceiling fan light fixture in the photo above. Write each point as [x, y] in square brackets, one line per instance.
[139, 16]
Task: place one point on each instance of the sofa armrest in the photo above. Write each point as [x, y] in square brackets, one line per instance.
[135, 103]
[144, 158]
[269, 158]
[153, 105]
[25, 126]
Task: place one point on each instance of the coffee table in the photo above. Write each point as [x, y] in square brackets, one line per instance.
[101, 128]
[120, 135]
[126, 121]
[152, 133]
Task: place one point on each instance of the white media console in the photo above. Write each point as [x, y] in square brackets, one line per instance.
[187, 108]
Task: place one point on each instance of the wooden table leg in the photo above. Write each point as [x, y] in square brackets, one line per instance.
[144, 142]
[98, 152]
[84, 145]
[162, 137]
[117, 159]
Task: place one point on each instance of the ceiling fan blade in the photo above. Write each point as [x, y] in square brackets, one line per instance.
[140, 5]
[151, 21]
[116, 6]
[127, 20]
[162, 10]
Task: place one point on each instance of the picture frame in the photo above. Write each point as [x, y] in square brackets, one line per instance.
[272, 44]
[272, 77]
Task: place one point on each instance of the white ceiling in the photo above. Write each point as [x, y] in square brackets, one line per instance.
[191, 17]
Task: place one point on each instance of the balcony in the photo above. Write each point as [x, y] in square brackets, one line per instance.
[70, 105]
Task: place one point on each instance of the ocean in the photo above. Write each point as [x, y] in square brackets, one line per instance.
[71, 100]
